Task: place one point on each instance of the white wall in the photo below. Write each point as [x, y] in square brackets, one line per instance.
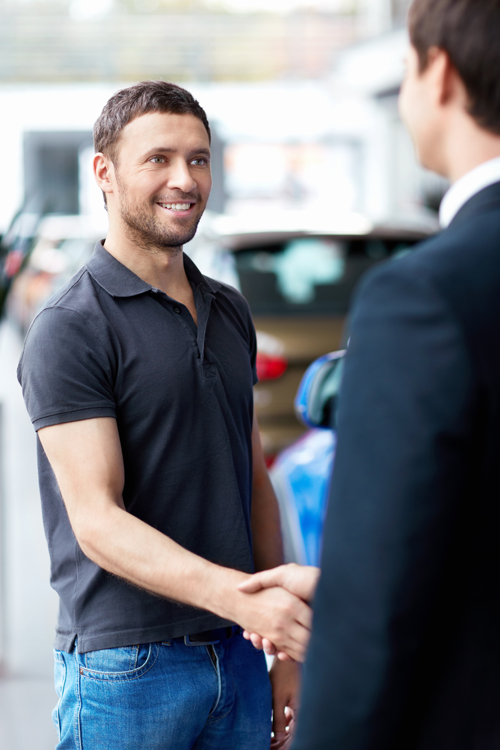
[366, 79]
[39, 108]
[30, 605]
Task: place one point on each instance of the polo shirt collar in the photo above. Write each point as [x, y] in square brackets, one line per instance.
[119, 281]
[194, 274]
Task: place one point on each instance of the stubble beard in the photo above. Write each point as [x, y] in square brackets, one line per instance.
[148, 233]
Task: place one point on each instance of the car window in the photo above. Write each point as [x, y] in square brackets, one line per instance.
[310, 275]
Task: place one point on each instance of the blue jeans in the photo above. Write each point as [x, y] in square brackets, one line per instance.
[164, 696]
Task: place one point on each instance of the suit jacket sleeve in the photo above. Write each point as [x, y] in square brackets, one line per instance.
[401, 464]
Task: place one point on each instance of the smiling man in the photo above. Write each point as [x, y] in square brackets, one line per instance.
[138, 379]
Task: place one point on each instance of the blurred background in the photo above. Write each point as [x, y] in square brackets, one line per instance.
[315, 180]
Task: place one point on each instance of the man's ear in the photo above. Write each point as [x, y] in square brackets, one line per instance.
[447, 85]
[104, 172]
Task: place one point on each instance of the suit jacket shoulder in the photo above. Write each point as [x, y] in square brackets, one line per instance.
[462, 266]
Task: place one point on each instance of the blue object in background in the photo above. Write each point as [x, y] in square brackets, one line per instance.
[301, 479]
[320, 384]
[301, 473]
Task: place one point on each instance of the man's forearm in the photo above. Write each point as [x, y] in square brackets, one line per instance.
[87, 461]
[131, 549]
[127, 547]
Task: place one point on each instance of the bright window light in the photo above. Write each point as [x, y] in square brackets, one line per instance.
[83, 10]
[281, 6]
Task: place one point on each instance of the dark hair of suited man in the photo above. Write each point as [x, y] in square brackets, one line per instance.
[469, 31]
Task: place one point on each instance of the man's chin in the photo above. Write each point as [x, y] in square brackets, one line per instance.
[178, 239]
[158, 236]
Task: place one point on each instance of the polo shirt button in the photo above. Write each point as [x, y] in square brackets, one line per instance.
[177, 309]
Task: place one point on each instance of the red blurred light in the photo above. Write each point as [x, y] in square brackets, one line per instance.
[270, 459]
[270, 368]
[13, 263]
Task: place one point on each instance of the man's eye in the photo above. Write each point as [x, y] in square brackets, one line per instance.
[157, 159]
[200, 162]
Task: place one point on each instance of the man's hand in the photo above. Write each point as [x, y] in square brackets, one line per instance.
[282, 618]
[299, 580]
[285, 682]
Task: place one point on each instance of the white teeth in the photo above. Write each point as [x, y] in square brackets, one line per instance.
[176, 206]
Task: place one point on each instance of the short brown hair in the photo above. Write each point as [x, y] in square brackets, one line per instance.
[132, 102]
[469, 31]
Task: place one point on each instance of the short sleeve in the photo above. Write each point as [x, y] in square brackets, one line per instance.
[65, 371]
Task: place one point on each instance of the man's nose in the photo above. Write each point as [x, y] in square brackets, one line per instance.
[180, 177]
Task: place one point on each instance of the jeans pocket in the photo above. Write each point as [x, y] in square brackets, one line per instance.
[60, 672]
[124, 663]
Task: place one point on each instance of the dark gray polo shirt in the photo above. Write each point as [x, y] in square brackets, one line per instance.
[110, 345]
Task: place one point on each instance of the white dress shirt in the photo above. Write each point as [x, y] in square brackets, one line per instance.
[471, 183]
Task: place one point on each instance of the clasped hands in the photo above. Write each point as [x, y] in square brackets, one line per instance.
[301, 582]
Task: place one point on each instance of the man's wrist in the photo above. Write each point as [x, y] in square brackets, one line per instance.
[221, 595]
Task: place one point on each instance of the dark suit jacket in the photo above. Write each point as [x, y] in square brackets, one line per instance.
[405, 652]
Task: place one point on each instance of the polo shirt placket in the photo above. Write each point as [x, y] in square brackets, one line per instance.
[203, 302]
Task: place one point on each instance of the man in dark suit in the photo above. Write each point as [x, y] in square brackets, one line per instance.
[405, 649]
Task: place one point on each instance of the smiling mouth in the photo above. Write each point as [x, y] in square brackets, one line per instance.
[177, 207]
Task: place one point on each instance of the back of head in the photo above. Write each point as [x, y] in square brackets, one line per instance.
[469, 31]
[132, 102]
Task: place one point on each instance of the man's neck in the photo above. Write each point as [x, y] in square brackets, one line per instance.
[163, 268]
[468, 147]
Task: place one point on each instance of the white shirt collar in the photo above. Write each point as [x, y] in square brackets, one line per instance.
[463, 189]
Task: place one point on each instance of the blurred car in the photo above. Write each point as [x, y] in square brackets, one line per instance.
[301, 473]
[16, 246]
[298, 272]
[60, 246]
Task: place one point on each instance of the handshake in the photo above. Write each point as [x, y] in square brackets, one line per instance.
[293, 585]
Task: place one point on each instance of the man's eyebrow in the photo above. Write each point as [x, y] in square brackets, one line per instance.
[203, 151]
